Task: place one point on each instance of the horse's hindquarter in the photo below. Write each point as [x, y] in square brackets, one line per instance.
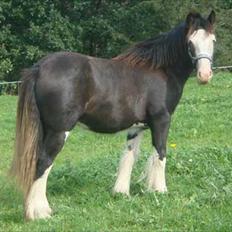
[61, 89]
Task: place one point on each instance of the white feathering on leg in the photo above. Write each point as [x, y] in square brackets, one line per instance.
[122, 184]
[36, 203]
[156, 174]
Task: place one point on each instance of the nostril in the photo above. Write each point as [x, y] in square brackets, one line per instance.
[205, 74]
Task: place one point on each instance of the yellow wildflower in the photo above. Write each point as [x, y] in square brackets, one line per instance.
[173, 145]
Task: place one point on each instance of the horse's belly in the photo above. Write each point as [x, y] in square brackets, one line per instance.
[104, 125]
[112, 114]
[139, 125]
[107, 122]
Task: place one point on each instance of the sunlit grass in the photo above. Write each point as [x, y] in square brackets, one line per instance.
[199, 173]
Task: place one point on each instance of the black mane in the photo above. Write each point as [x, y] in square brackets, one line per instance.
[160, 51]
[165, 49]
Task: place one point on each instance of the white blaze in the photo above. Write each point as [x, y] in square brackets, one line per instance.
[203, 43]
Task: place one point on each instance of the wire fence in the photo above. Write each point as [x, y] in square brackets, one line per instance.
[223, 67]
[12, 87]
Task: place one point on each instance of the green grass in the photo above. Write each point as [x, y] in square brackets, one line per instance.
[199, 173]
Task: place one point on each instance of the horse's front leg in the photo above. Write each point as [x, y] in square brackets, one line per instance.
[159, 126]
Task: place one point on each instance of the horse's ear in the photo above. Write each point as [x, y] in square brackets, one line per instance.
[190, 19]
[212, 17]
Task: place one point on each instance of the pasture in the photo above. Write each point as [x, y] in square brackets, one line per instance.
[199, 173]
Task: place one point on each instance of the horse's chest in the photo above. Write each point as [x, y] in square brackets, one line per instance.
[173, 97]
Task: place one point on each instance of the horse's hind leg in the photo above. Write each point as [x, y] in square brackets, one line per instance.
[36, 204]
[122, 184]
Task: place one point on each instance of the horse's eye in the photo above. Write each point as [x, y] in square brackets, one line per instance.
[191, 47]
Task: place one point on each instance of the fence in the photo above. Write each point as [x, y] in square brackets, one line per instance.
[9, 87]
[223, 67]
[13, 86]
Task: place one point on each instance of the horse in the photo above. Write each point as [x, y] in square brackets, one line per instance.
[136, 90]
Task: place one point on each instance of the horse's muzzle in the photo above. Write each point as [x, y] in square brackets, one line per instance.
[204, 76]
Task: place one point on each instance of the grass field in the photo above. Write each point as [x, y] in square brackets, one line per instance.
[199, 173]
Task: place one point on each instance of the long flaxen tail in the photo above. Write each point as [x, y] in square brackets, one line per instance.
[28, 132]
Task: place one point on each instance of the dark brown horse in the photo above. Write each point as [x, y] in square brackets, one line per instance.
[139, 89]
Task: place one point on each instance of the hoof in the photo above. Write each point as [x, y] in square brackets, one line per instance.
[38, 212]
[121, 190]
[159, 189]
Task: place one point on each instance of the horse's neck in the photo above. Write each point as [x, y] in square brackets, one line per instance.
[182, 69]
[181, 66]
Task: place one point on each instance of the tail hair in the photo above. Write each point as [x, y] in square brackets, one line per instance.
[28, 132]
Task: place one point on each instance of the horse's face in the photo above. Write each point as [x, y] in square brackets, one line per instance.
[201, 47]
[201, 44]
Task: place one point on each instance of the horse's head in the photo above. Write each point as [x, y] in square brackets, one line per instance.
[200, 39]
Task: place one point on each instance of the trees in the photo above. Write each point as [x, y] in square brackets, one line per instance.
[31, 29]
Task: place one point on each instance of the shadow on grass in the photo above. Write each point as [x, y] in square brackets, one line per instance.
[95, 174]
[98, 173]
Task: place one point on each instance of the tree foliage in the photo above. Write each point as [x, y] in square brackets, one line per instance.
[32, 29]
